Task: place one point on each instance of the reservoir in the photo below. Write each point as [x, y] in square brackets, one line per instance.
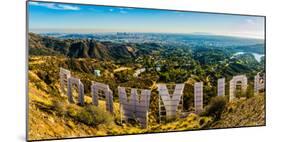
[256, 55]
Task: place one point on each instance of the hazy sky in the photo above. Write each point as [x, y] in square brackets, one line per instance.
[58, 17]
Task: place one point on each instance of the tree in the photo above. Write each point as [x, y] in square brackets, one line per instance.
[215, 108]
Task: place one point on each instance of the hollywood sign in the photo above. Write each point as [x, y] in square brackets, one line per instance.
[136, 105]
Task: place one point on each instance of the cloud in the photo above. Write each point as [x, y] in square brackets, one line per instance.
[123, 12]
[250, 21]
[55, 6]
[68, 7]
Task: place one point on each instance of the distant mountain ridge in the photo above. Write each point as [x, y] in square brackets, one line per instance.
[80, 48]
[129, 47]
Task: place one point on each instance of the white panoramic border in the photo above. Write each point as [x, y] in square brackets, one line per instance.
[13, 35]
[77, 81]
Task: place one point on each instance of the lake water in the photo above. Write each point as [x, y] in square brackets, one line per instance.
[256, 55]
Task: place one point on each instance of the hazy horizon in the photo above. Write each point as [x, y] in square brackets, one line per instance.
[51, 17]
[46, 31]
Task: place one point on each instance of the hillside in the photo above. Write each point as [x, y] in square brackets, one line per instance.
[249, 112]
[51, 116]
[79, 48]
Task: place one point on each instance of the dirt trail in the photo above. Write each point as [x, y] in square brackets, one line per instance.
[122, 69]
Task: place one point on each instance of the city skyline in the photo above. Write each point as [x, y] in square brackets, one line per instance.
[76, 18]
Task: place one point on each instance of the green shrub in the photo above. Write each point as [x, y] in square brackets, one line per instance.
[122, 76]
[205, 122]
[44, 76]
[94, 116]
[250, 91]
[215, 107]
[59, 107]
[72, 110]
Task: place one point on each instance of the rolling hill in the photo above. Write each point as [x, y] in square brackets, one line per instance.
[79, 48]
